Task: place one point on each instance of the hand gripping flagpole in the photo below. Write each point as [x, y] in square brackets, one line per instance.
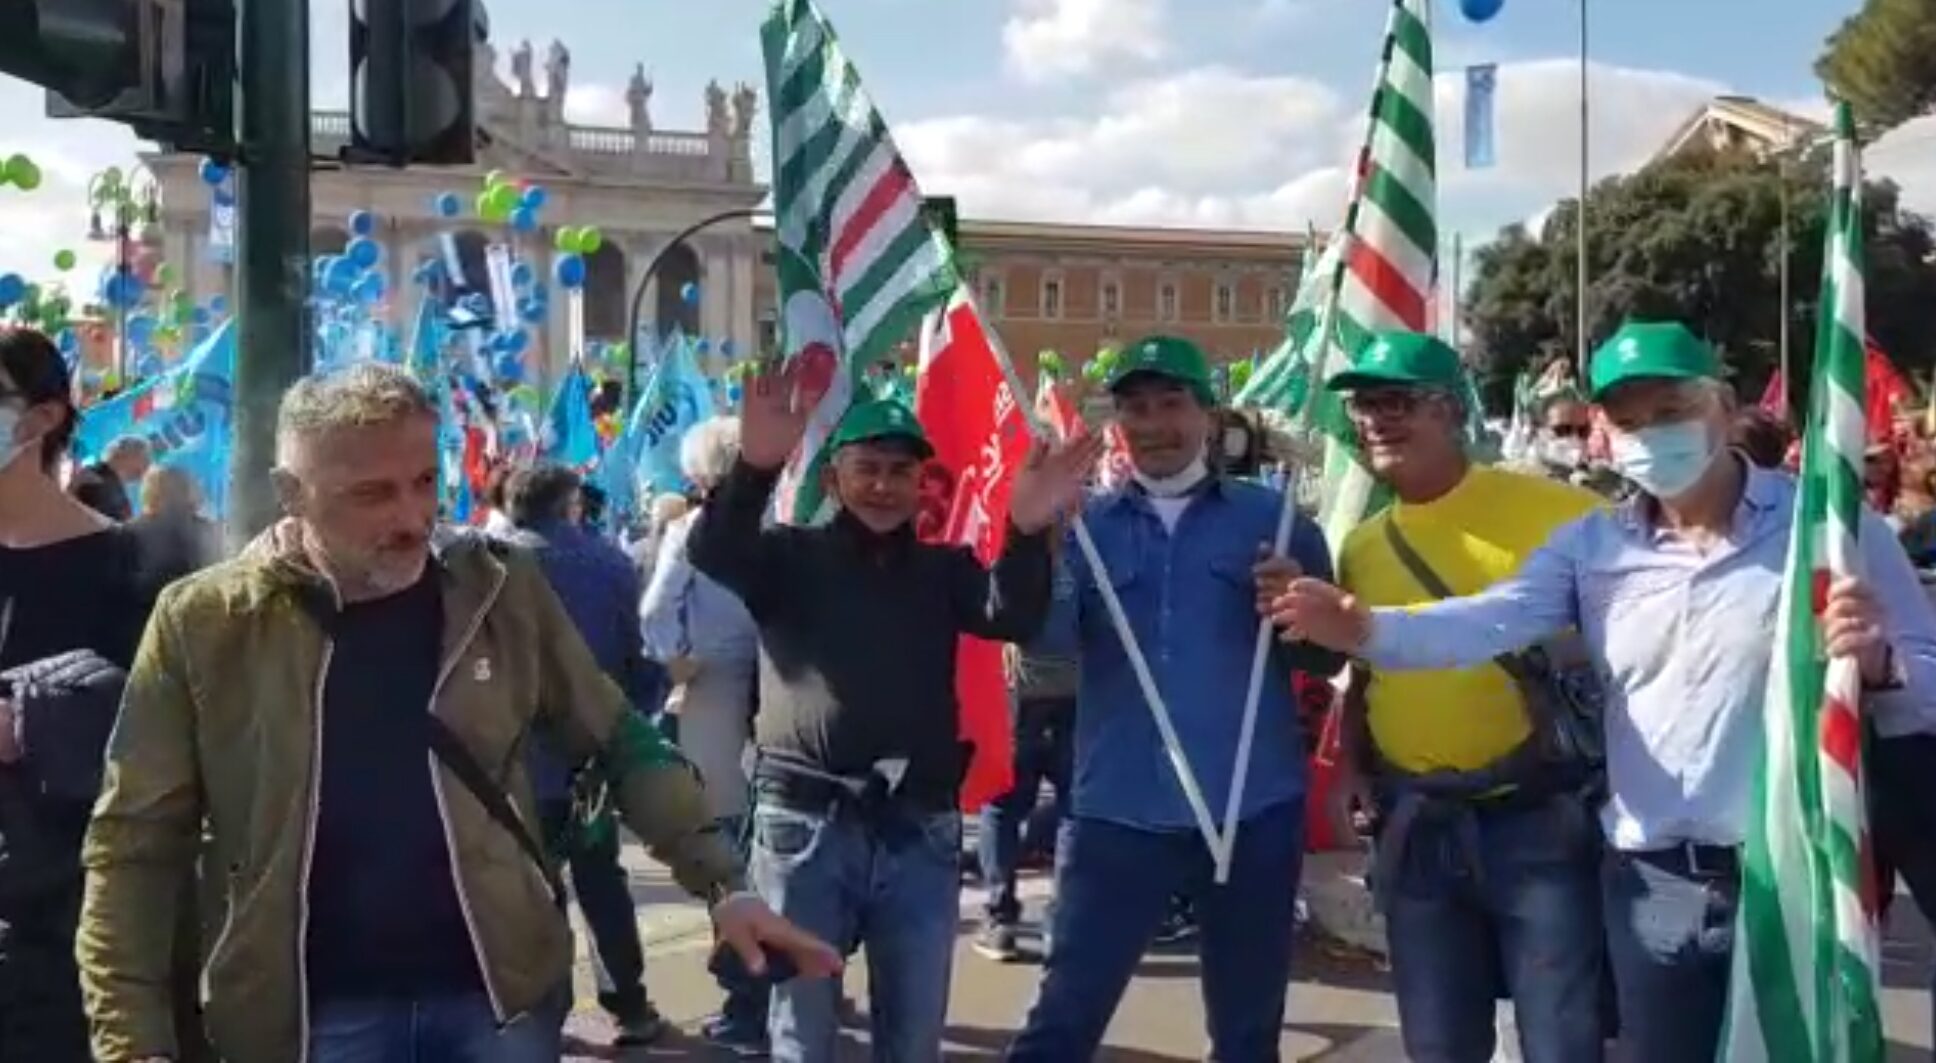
[1138, 664]
[1224, 849]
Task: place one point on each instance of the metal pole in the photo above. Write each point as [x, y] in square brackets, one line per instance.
[645, 281]
[272, 193]
[1580, 340]
[1787, 381]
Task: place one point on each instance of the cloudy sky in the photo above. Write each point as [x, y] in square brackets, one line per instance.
[1215, 113]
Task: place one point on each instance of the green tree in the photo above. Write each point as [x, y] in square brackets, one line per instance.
[1882, 60]
[1698, 240]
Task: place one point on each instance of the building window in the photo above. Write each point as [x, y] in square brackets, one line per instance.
[1052, 298]
[1276, 304]
[1226, 303]
[1112, 299]
[991, 295]
[1166, 302]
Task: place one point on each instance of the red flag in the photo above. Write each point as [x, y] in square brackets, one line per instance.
[1885, 391]
[1774, 397]
[1055, 409]
[980, 437]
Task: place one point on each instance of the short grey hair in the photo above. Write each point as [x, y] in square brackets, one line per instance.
[362, 396]
[708, 452]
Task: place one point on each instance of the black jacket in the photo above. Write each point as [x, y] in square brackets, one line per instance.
[66, 706]
[98, 488]
[858, 631]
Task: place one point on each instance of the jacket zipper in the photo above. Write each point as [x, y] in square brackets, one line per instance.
[443, 811]
[308, 860]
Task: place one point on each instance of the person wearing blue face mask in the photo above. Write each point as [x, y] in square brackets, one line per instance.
[1675, 596]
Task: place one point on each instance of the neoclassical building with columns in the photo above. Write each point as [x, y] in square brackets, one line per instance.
[639, 185]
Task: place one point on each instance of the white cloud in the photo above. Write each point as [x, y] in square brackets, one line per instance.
[598, 105]
[1048, 39]
[1907, 155]
[1281, 13]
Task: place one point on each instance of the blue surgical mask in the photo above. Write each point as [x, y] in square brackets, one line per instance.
[1664, 460]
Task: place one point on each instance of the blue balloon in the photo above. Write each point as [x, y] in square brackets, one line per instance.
[733, 393]
[199, 315]
[147, 363]
[67, 341]
[516, 341]
[141, 329]
[364, 251]
[218, 304]
[689, 293]
[339, 279]
[13, 288]
[362, 223]
[728, 348]
[213, 173]
[571, 271]
[531, 311]
[369, 288]
[510, 367]
[533, 198]
[448, 205]
[524, 220]
[703, 346]
[1481, 10]
[522, 275]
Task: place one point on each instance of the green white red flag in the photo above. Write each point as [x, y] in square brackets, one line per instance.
[1806, 955]
[858, 260]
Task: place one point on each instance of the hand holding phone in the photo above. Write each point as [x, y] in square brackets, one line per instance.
[730, 969]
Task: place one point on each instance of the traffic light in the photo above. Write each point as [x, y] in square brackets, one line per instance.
[165, 67]
[411, 90]
[942, 215]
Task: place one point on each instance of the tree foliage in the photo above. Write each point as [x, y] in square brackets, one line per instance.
[1698, 240]
[1882, 60]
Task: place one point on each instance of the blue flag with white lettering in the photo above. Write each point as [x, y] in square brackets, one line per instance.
[185, 414]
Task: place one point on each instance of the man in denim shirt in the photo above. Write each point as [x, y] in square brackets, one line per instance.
[1182, 548]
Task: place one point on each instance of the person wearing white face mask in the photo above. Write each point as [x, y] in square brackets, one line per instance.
[1675, 595]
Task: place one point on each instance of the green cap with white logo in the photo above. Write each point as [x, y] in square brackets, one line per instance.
[1651, 350]
[1405, 360]
[1167, 357]
[881, 419]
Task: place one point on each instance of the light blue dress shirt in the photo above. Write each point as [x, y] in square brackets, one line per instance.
[1683, 642]
[687, 613]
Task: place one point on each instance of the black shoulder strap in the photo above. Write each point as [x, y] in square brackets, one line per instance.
[497, 804]
[1437, 587]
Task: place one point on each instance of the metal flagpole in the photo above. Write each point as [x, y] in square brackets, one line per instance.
[1580, 337]
[1782, 163]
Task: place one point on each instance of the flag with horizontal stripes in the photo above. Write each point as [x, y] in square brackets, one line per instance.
[858, 259]
[1805, 962]
[1388, 250]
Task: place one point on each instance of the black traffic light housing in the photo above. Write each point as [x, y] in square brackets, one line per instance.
[412, 97]
[164, 67]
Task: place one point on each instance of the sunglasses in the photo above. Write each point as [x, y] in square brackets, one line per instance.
[1389, 405]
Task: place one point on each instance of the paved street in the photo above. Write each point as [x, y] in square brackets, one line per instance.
[1340, 1008]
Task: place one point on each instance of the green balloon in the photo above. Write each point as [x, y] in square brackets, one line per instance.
[501, 201]
[493, 179]
[590, 240]
[22, 172]
[165, 273]
[565, 239]
[64, 259]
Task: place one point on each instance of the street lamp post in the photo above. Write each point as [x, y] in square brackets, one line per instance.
[1580, 354]
[127, 199]
[645, 281]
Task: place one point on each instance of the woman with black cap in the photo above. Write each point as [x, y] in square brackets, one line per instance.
[70, 617]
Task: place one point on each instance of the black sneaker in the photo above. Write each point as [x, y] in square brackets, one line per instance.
[740, 1039]
[1177, 928]
[996, 941]
[644, 1028]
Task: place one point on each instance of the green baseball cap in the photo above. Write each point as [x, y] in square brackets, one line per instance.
[881, 419]
[1644, 350]
[1402, 359]
[1168, 357]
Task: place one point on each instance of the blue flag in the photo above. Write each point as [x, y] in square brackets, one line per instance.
[676, 396]
[426, 357]
[1481, 84]
[185, 414]
[570, 438]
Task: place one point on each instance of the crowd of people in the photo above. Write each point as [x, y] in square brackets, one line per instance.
[326, 798]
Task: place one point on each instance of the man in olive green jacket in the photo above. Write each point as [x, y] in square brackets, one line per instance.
[220, 762]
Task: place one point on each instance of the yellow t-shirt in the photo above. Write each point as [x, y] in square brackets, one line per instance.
[1473, 536]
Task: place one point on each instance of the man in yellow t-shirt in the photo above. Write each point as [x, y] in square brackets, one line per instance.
[1499, 891]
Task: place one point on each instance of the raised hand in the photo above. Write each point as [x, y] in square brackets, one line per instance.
[773, 415]
[1314, 611]
[1050, 483]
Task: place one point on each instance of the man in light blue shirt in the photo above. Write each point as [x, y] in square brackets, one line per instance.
[1675, 594]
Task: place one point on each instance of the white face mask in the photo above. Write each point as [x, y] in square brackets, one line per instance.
[10, 449]
[1176, 484]
[1664, 460]
[1563, 452]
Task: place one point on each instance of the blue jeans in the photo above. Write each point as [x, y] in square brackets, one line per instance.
[890, 882]
[455, 1029]
[1044, 751]
[1482, 901]
[1671, 939]
[1113, 887]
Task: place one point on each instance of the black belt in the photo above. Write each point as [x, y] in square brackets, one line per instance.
[1692, 860]
[814, 795]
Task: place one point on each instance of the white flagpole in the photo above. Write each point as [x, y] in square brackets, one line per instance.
[1138, 664]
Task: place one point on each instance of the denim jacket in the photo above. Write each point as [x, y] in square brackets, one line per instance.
[1191, 602]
